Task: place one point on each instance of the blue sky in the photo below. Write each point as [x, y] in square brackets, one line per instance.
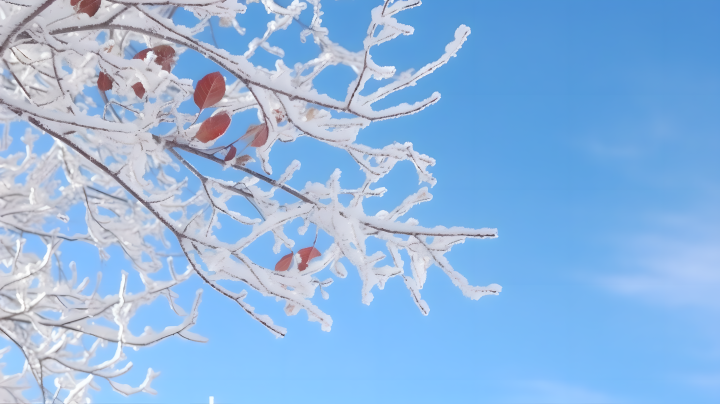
[588, 133]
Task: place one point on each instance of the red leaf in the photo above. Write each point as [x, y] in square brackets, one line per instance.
[89, 7]
[142, 54]
[210, 89]
[261, 137]
[166, 64]
[307, 254]
[231, 153]
[213, 127]
[164, 55]
[258, 134]
[139, 89]
[104, 82]
[73, 2]
[284, 263]
[164, 51]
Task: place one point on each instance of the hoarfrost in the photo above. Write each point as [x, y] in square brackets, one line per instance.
[130, 182]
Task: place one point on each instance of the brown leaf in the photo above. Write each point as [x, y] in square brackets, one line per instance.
[213, 127]
[231, 153]
[279, 116]
[307, 254]
[73, 2]
[89, 7]
[258, 134]
[210, 89]
[284, 263]
[243, 159]
[311, 113]
[104, 82]
[139, 89]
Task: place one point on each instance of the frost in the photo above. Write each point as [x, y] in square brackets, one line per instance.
[154, 197]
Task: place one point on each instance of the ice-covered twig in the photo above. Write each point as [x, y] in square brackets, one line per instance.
[137, 182]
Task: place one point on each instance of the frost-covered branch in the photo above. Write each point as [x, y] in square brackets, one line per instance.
[98, 79]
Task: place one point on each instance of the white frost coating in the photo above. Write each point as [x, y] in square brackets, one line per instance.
[289, 171]
[12, 386]
[135, 189]
[339, 270]
[76, 317]
[127, 390]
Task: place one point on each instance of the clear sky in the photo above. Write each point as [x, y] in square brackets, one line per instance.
[588, 133]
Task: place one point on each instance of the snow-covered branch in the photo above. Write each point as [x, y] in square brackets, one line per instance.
[127, 153]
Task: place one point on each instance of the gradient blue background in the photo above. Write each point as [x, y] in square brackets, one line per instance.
[587, 132]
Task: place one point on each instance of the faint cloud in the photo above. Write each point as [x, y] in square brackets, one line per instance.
[676, 265]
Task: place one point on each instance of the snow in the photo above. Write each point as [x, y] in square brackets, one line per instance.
[127, 181]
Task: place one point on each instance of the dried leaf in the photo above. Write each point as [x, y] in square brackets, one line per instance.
[284, 263]
[258, 134]
[210, 89]
[213, 127]
[89, 7]
[279, 115]
[104, 82]
[243, 159]
[139, 89]
[307, 254]
[231, 153]
[310, 114]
